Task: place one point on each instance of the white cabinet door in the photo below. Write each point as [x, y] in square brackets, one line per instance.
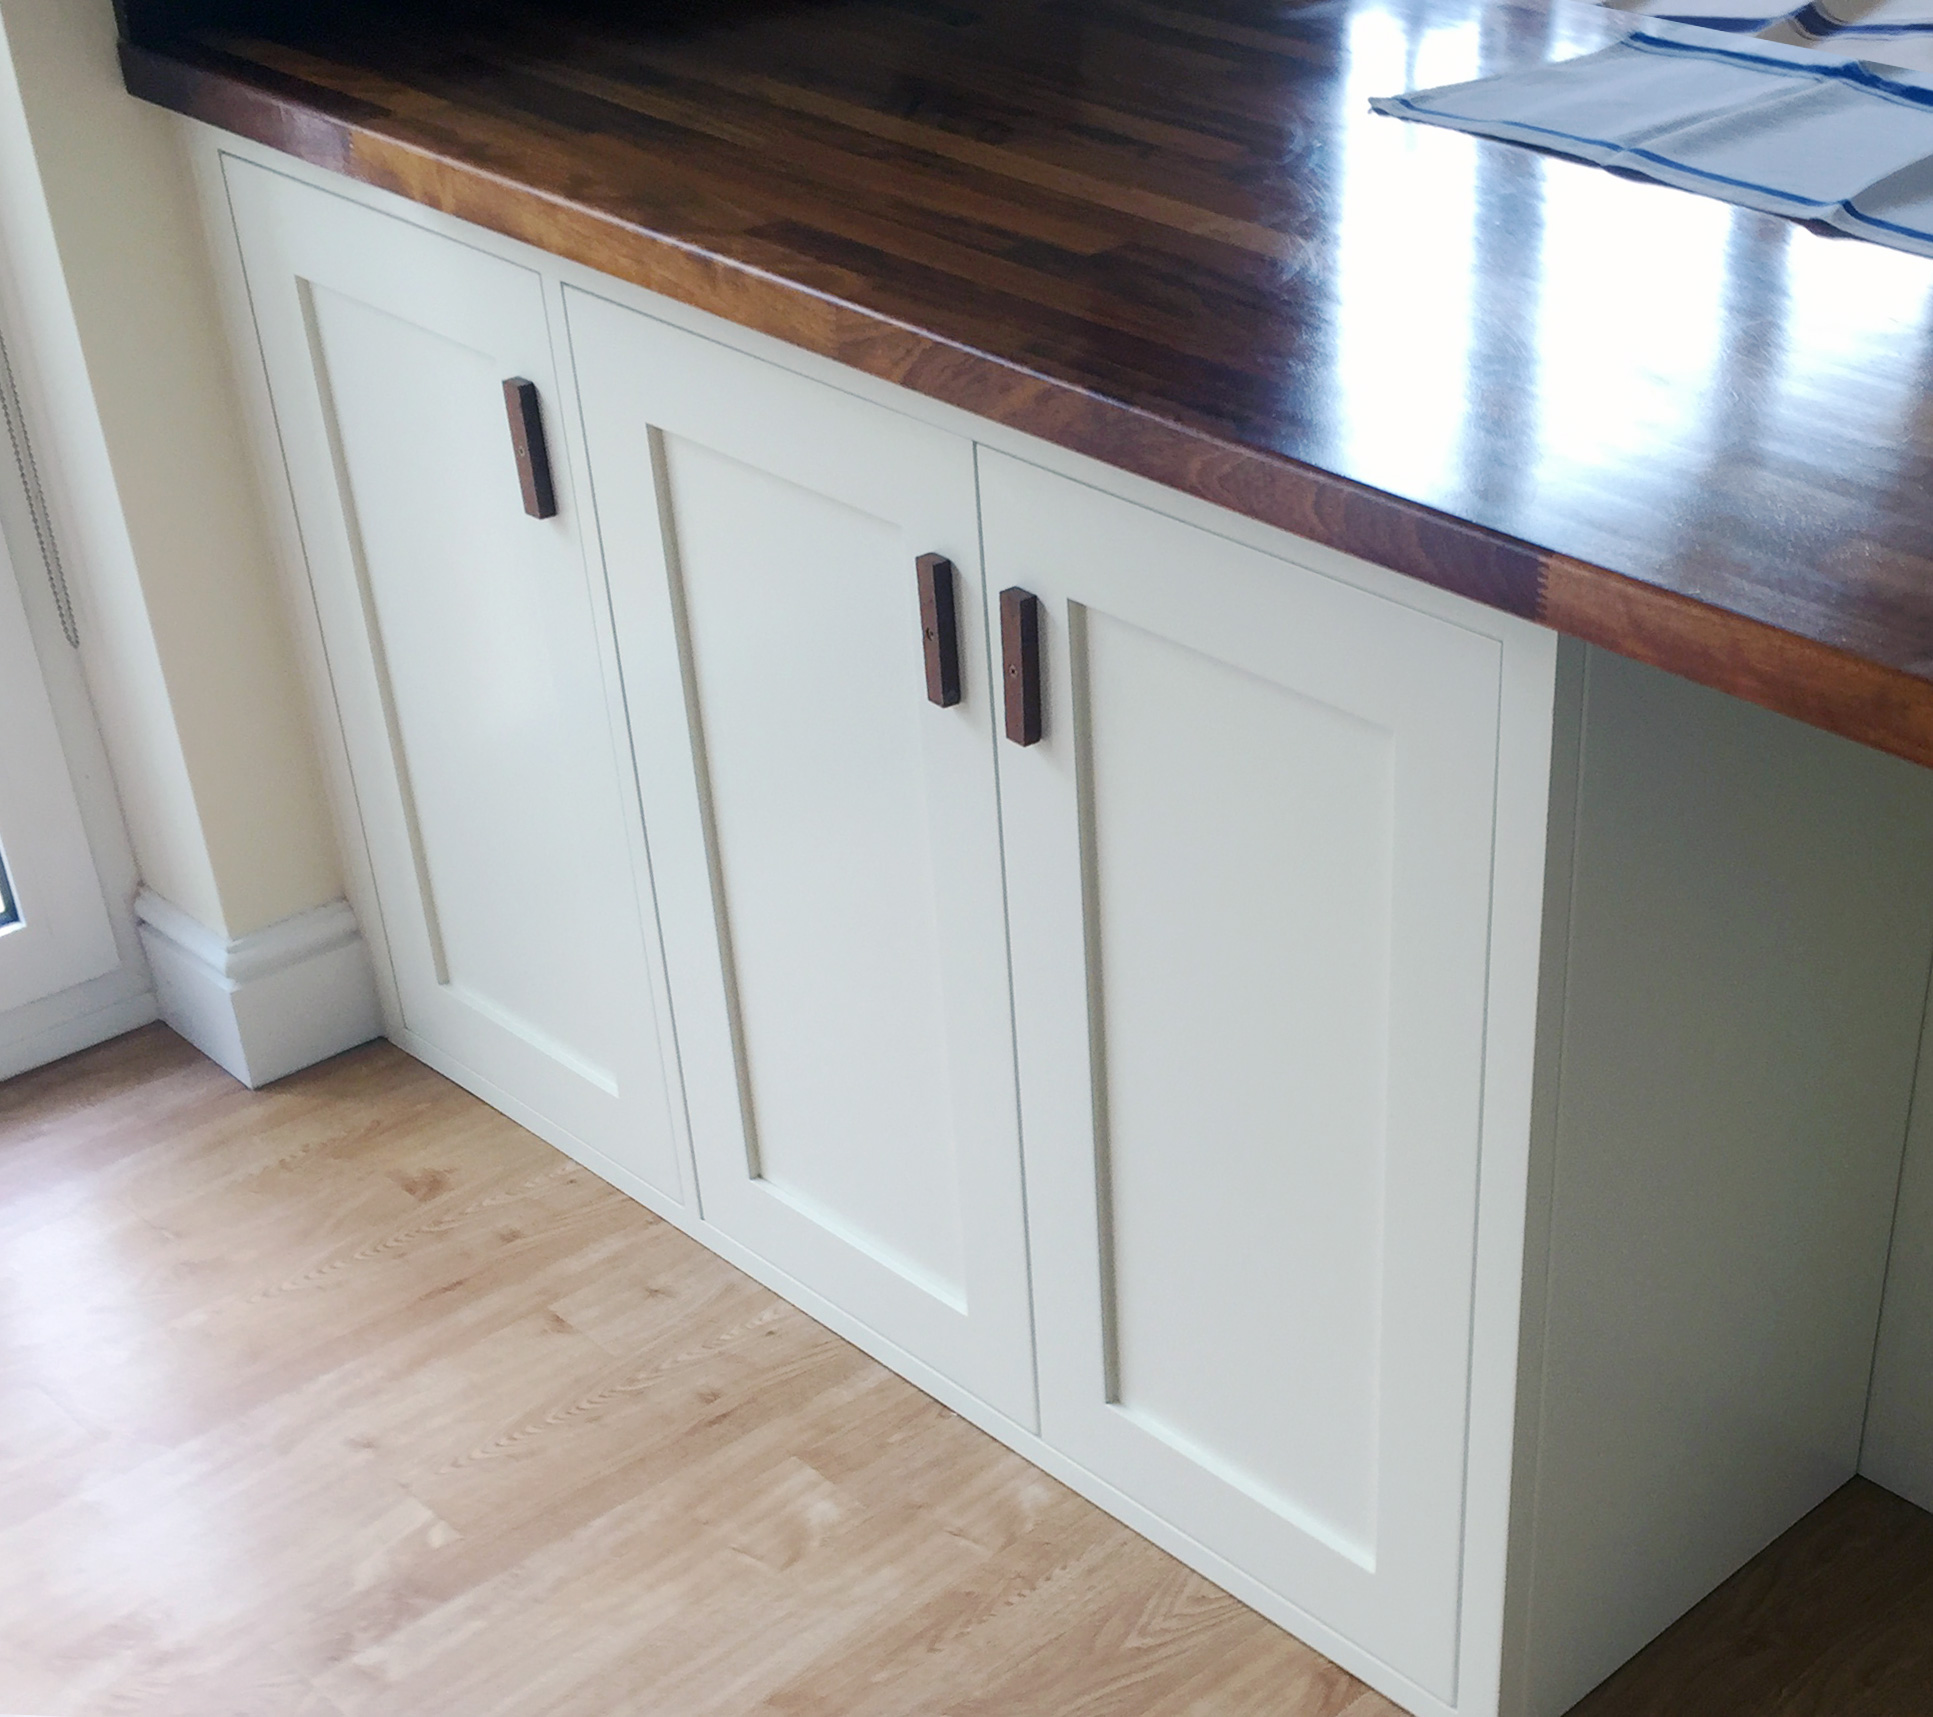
[825, 838]
[470, 657]
[1249, 866]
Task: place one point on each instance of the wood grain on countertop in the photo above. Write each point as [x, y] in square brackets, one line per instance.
[1170, 234]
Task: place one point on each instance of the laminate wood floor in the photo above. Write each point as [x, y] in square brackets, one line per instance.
[350, 1396]
[1834, 1619]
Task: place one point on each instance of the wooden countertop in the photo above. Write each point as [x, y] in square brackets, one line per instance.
[1171, 235]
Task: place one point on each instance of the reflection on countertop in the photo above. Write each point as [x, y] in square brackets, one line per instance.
[1175, 237]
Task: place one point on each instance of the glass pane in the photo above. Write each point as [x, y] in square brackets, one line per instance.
[9, 913]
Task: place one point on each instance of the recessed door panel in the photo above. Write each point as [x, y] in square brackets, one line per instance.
[1249, 872]
[801, 619]
[485, 673]
[826, 836]
[1245, 1030]
[471, 669]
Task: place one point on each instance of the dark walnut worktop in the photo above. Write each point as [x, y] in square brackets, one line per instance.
[1172, 236]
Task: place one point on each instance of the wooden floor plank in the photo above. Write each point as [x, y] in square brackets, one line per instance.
[1834, 1619]
[349, 1398]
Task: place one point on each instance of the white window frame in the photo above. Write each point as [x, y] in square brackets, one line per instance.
[63, 936]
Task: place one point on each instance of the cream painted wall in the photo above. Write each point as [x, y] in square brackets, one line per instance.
[185, 645]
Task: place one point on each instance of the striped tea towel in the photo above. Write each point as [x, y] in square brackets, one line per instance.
[1895, 32]
[1752, 121]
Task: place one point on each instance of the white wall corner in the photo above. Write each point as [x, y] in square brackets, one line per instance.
[1897, 1451]
[271, 1002]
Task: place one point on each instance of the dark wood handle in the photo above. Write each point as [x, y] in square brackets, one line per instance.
[527, 439]
[1020, 664]
[939, 630]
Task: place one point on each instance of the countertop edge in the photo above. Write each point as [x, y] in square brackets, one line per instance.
[1786, 672]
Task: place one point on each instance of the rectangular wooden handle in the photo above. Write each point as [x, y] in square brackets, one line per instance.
[939, 629]
[1020, 664]
[527, 441]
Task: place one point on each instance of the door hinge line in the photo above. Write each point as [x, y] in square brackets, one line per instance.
[29, 469]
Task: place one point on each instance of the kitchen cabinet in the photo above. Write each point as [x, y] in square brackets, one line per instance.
[1403, 1109]
[827, 839]
[470, 662]
[1251, 873]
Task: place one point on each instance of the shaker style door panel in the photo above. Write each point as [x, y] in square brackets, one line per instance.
[471, 665]
[825, 836]
[1249, 865]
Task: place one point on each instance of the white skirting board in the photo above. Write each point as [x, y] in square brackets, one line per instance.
[268, 1003]
[77, 1019]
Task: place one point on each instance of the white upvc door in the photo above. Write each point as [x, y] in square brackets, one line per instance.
[1249, 867]
[470, 657]
[825, 834]
[54, 927]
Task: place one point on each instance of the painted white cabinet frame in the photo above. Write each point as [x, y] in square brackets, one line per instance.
[1457, 1078]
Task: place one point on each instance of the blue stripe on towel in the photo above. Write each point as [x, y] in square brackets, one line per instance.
[1730, 26]
[1751, 26]
[1812, 22]
[1852, 212]
[1837, 71]
[1779, 62]
[1622, 149]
